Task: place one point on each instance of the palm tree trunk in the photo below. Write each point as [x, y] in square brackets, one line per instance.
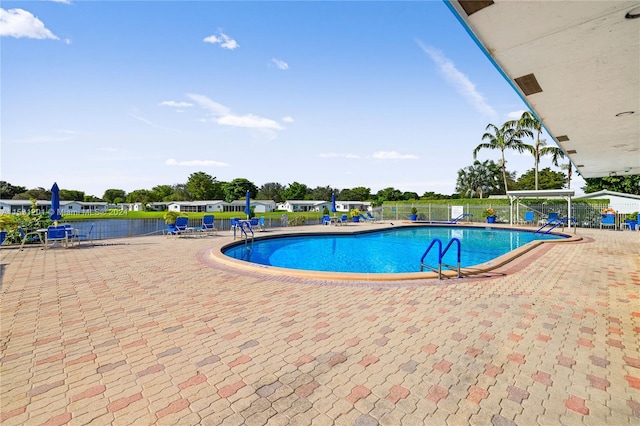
[537, 159]
[504, 172]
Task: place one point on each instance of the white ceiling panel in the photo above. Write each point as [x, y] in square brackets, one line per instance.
[585, 55]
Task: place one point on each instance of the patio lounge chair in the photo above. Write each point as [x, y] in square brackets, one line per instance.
[326, 220]
[86, 237]
[179, 228]
[372, 217]
[529, 218]
[207, 224]
[553, 217]
[257, 223]
[29, 237]
[56, 234]
[343, 220]
[608, 221]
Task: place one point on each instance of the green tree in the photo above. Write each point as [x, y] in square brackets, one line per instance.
[410, 196]
[556, 155]
[143, 196]
[36, 194]
[530, 122]
[110, 195]
[569, 168]
[237, 189]
[628, 184]
[430, 195]
[322, 193]
[359, 193]
[388, 194]
[200, 186]
[547, 179]
[91, 199]
[179, 193]
[295, 191]
[8, 191]
[271, 191]
[502, 138]
[161, 193]
[71, 195]
[480, 179]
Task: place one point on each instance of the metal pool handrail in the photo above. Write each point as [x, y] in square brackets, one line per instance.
[441, 254]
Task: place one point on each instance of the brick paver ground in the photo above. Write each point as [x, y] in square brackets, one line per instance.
[151, 331]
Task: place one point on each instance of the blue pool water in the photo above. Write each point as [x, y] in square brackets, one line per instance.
[387, 251]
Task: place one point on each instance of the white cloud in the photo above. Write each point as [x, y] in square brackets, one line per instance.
[461, 82]
[287, 119]
[150, 123]
[206, 103]
[393, 155]
[20, 23]
[250, 121]
[62, 1]
[515, 115]
[108, 149]
[223, 115]
[337, 155]
[174, 162]
[223, 40]
[280, 64]
[176, 104]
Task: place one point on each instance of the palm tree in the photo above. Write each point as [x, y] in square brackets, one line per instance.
[502, 138]
[568, 167]
[530, 122]
[556, 155]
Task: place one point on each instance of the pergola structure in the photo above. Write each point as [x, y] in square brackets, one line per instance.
[515, 196]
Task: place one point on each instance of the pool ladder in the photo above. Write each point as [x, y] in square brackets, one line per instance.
[245, 228]
[441, 254]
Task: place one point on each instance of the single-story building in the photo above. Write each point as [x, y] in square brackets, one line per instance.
[66, 207]
[619, 201]
[295, 206]
[347, 206]
[318, 206]
[208, 206]
[213, 206]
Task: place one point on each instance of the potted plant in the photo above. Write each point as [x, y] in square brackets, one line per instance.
[490, 214]
[414, 214]
[6, 220]
[170, 217]
[355, 215]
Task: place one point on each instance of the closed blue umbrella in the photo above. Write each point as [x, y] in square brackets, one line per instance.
[54, 212]
[247, 206]
[333, 203]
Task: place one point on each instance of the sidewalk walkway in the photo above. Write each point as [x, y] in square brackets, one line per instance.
[148, 331]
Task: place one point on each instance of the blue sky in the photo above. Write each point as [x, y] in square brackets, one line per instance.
[129, 95]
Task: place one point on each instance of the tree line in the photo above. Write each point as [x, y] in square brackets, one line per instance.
[480, 179]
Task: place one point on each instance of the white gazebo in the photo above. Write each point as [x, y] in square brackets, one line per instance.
[514, 196]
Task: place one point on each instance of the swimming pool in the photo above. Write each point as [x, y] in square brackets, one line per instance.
[389, 251]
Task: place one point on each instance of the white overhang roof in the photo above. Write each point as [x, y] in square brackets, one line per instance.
[542, 193]
[585, 57]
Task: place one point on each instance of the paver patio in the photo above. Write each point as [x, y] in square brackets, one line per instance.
[151, 331]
